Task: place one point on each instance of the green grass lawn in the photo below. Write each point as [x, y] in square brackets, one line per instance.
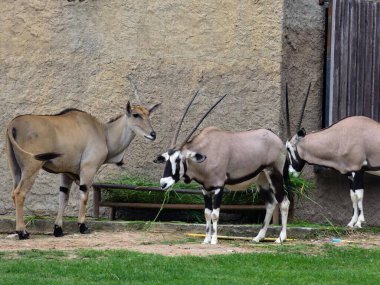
[281, 265]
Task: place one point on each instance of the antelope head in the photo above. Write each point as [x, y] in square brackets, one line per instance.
[296, 162]
[138, 116]
[138, 119]
[175, 158]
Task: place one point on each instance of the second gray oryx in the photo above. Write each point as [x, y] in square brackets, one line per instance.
[350, 146]
[219, 159]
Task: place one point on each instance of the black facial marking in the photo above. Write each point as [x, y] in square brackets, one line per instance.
[83, 188]
[64, 189]
[297, 163]
[14, 133]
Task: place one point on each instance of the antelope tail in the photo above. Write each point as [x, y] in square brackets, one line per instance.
[47, 156]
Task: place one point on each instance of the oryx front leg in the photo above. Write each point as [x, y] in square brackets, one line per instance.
[208, 212]
[64, 193]
[217, 201]
[356, 193]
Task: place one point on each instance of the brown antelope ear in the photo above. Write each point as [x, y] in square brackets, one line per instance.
[153, 107]
[129, 109]
[301, 133]
[159, 159]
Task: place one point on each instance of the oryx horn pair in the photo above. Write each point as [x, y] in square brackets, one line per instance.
[175, 137]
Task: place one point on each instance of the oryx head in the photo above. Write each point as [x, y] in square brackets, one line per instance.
[175, 165]
[296, 162]
[138, 119]
[175, 158]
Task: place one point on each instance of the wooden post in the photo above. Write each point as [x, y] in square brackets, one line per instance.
[97, 199]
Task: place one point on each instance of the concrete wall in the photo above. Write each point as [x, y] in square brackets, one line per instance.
[59, 54]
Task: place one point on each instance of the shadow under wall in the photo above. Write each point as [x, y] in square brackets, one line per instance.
[331, 200]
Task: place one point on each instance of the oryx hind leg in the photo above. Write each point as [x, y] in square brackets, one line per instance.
[356, 182]
[266, 189]
[64, 193]
[28, 176]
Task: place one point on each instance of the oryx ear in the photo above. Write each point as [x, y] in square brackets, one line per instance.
[159, 159]
[153, 107]
[128, 109]
[196, 156]
[301, 133]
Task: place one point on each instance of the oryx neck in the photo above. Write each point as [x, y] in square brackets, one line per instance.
[119, 136]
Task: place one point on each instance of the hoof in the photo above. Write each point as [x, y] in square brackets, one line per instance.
[58, 232]
[83, 229]
[23, 234]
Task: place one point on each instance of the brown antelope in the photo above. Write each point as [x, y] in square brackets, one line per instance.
[74, 144]
[350, 146]
[219, 159]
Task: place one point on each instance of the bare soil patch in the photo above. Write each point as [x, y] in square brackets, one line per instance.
[171, 244]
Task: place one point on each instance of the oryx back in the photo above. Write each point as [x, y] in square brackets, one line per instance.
[235, 158]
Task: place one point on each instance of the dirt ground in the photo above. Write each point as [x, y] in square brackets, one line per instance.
[171, 244]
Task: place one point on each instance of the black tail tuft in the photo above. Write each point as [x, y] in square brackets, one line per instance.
[47, 156]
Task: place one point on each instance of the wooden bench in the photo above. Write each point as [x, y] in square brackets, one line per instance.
[98, 202]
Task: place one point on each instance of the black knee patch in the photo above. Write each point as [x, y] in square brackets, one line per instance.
[58, 232]
[267, 195]
[64, 189]
[83, 188]
[208, 201]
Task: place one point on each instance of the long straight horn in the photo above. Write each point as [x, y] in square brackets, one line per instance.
[201, 120]
[303, 108]
[174, 140]
[287, 112]
[134, 89]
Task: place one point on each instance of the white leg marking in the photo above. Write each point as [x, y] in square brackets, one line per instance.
[215, 218]
[354, 200]
[359, 194]
[284, 207]
[208, 213]
[268, 216]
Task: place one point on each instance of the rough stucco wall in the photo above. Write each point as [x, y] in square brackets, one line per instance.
[304, 25]
[56, 54]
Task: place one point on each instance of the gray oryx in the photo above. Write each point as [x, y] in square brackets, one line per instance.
[219, 159]
[72, 143]
[350, 146]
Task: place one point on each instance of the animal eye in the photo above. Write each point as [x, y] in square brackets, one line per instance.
[136, 116]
